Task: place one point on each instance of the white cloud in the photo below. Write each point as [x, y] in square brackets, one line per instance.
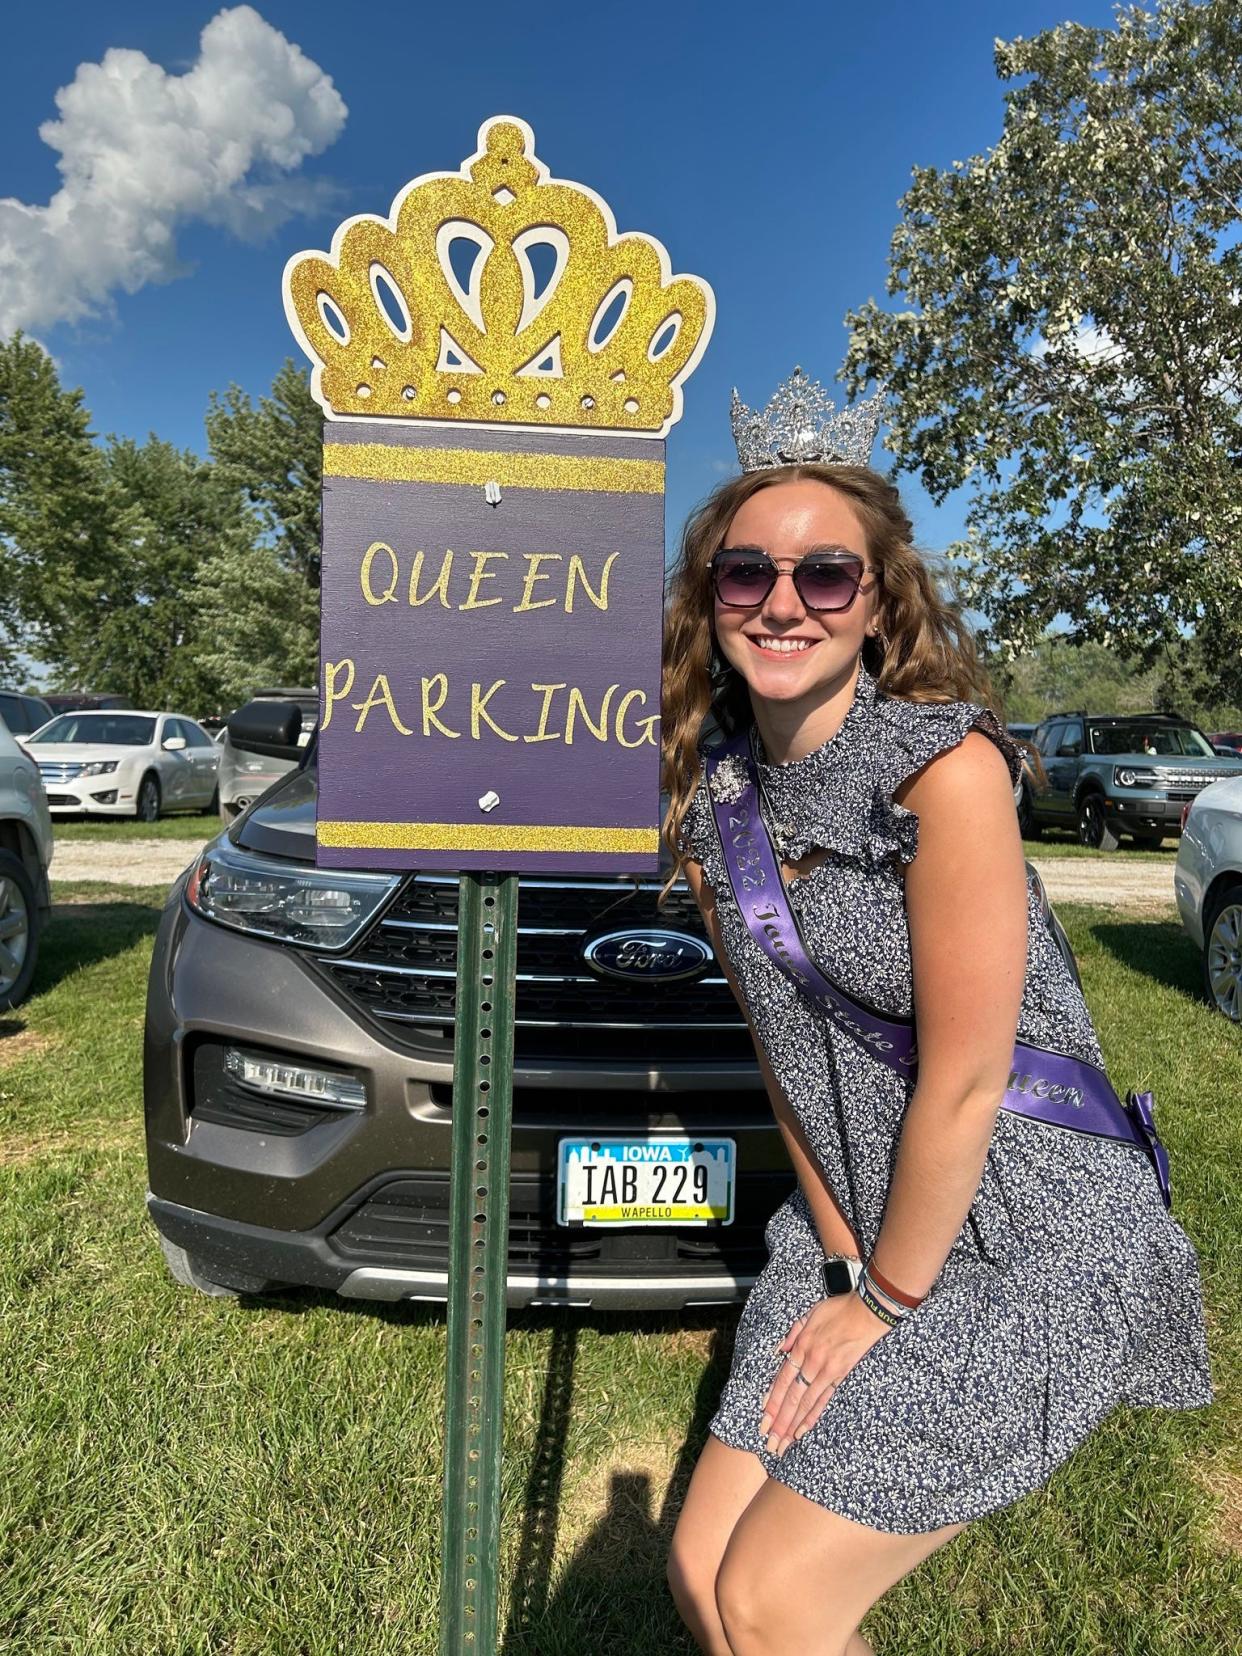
[142, 151]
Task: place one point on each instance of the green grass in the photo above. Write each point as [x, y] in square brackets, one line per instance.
[262, 1477]
[198, 825]
[1057, 842]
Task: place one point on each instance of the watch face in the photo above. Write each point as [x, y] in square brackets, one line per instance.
[838, 1278]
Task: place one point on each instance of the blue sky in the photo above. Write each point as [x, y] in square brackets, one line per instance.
[766, 145]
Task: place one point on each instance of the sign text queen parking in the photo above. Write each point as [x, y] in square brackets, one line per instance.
[500, 369]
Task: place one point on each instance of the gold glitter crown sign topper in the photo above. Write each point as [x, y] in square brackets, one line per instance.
[498, 295]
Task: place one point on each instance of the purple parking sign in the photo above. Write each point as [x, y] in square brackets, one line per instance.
[490, 677]
[499, 368]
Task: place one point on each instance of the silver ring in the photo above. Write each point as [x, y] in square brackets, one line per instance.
[803, 1378]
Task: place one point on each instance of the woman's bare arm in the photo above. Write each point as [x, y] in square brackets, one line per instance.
[966, 906]
[834, 1232]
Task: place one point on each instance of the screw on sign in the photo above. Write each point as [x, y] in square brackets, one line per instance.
[499, 368]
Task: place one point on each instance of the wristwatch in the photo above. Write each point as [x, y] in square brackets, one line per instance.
[841, 1274]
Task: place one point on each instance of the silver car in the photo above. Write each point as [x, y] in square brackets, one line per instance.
[1207, 879]
[245, 773]
[136, 764]
[25, 852]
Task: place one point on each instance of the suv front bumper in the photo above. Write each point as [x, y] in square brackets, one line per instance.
[357, 1202]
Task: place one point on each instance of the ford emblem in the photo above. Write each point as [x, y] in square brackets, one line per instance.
[646, 955]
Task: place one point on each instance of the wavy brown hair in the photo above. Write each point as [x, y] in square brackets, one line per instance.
[927, 653]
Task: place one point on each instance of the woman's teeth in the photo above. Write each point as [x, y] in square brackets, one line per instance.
[782, 646]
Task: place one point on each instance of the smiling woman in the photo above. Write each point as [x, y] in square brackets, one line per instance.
[977, 1265]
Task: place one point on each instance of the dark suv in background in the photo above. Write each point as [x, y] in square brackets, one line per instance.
[298, 1071]
[1113, 774]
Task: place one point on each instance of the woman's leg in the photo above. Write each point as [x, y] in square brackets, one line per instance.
[723, 1485]
[798, 1577]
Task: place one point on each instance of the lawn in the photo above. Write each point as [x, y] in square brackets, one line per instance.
[1059, 842]
[197, 826]
[257, 1478]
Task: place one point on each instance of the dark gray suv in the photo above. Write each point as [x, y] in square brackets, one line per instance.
[298, 1074]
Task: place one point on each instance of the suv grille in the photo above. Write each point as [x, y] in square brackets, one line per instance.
[1188, 784]
[406, 1223]
[404, 973]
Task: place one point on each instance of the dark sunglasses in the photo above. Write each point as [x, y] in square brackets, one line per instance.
[743, 577]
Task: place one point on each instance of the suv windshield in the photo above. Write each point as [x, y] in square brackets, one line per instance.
[1167, 741]
[116, 729]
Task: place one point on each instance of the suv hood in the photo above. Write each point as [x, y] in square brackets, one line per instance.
[1175, 761]
[281, 823]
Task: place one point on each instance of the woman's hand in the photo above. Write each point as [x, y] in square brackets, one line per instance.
[825, 1345]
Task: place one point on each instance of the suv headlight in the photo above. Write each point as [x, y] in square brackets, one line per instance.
[315, 908]
[1125, 776]
[99, 767]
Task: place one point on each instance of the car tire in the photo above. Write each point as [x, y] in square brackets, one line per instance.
[1093, 828]
[187, 1269]
[213, 804]
[19, 931]
[147, 804]
[1222, 953]
[1028, 826]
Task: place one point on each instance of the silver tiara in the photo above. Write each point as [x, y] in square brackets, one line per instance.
[802, 423]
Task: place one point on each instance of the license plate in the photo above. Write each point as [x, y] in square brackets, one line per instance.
[646, 1181]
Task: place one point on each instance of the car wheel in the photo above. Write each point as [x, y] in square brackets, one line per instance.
[1029, 828]
[1093, 828]
[19, 930]
[147, 806]
[187, 1269]
[1222, 954]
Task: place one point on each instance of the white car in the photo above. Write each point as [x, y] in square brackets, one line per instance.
[126, 763]
[25, 852]
[1208, 881]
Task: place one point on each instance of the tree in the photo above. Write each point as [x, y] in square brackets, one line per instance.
[1072, 350]
[274, 455]
[62, 518]
[258, 622]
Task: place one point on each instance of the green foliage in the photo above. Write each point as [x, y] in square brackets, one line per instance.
[274, 455]
[1058, 673]
[1072, 346]
[140, 569]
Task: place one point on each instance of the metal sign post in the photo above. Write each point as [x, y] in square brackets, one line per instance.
[482, 1116]
[499, 368]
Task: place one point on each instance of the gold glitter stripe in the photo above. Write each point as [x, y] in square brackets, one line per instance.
[383, 464]
[480, 836]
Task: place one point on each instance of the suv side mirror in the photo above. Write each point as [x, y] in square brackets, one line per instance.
[1069, 750]
[268, 727]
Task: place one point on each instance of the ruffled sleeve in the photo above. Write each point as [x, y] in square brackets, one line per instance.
[917, 732]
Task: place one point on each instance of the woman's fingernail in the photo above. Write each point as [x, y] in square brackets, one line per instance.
[764, 1424]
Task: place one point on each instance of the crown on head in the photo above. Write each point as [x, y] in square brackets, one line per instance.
[802, 423]
[499, 294]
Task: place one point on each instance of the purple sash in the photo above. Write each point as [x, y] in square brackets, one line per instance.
[1044, 1086]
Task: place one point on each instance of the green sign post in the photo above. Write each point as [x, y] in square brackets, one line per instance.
[499, 368]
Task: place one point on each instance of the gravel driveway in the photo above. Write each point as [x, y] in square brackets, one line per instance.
[1117, 882]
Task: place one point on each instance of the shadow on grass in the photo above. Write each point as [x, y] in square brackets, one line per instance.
[612, 1595]
[83, 934]
[1159, 949]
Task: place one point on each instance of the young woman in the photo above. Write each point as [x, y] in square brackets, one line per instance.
[1023, 1278]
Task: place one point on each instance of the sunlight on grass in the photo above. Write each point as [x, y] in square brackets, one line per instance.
[193, 1475]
